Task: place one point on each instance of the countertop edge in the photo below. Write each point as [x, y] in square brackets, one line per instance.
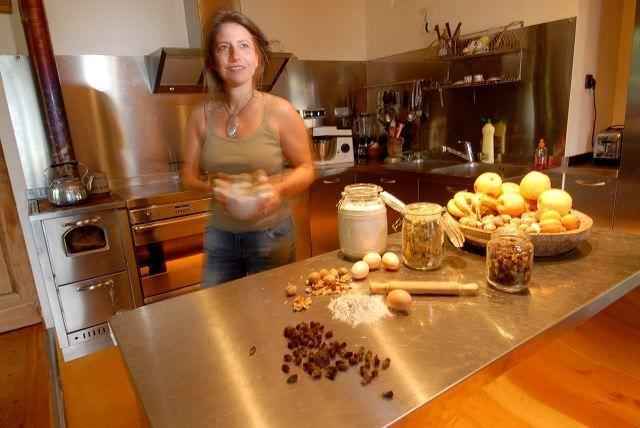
[525, 349]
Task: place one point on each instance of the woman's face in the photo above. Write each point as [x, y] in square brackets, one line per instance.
[235, 54]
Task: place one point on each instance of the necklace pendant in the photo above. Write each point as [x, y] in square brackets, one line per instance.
[232, 125]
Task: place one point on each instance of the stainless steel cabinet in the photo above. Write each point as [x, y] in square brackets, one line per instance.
[594, 196]
[324, 194]
[403, 188]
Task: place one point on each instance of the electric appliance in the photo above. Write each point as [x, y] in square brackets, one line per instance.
[332, 145]
[608, 145]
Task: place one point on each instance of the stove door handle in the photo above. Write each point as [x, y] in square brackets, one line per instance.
[144, 227]
[94, 220]
[108, 283]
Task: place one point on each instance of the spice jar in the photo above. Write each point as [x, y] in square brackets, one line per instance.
[509, 259]
[423, 236]
[362, 220]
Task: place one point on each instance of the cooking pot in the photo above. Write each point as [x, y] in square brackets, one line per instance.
[69, 190]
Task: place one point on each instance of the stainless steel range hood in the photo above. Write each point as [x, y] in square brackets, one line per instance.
[180, 70]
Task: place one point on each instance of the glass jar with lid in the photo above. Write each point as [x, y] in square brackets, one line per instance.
[509, 259]
[423, 235]
[362, 220]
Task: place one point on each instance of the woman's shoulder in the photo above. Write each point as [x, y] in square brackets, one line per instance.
[281, 107]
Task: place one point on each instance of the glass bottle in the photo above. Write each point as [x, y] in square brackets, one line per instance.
[509, 259]
[423, 236]
[362, 220]
[540, 156]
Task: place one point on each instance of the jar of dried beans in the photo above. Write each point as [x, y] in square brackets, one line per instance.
[509, 259]
[362, 220]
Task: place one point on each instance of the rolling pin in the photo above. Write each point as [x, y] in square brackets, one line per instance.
[446, 288]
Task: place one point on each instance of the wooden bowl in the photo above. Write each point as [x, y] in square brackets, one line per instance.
[545, 244]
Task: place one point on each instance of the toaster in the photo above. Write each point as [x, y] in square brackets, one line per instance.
[608, 145]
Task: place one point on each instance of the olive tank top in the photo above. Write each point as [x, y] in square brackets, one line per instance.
[262, 150]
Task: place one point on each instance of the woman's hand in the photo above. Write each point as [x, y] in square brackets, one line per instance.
[271, 202]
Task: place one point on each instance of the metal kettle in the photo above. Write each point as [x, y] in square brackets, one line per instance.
[69, 190]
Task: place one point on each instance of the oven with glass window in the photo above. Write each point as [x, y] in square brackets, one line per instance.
[89, 270]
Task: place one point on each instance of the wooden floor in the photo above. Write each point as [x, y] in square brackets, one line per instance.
[588, 377]
[24, 378]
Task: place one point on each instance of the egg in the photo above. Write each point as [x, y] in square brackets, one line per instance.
[399, 300]
[390, 261]
[373, 260]
[359, 270]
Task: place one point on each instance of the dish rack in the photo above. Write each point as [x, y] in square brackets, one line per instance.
[502, 40]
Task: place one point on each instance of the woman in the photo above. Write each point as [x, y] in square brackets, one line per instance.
[240, 130]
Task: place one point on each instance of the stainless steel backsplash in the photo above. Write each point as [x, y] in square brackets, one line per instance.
[120, 127]
[537, 107]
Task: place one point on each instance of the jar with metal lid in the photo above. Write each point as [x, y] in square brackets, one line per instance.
[423, 235]
[509, 259]
[362, 220]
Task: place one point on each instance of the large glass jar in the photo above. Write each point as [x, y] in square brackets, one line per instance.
[362, 220]
[509, 259]
[423, 236]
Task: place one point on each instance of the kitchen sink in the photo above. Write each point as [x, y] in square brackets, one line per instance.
[424, 165]
[472, 170]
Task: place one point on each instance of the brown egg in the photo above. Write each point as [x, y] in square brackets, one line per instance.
[399, 300]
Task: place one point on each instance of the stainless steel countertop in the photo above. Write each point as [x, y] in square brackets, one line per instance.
[42, 209]
[157, 194]
[189, 360]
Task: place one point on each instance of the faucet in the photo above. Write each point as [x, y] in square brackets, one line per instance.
[467, 155]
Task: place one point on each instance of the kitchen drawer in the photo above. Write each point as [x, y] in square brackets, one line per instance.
[595, 196]
[84, 246]
[92, 302]
[324, 195]
[403, 188]
[441, 191]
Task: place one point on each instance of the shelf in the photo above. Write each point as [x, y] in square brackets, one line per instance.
[475, 55]
[472, 85]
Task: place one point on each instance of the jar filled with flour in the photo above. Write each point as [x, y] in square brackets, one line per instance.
[362, 220]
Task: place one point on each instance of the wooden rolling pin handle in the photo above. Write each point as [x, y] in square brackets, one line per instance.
[447, 288]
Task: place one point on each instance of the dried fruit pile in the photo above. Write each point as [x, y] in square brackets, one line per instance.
[312, 349]
[333, 281]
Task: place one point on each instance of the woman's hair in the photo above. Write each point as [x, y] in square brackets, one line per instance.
[209, 36]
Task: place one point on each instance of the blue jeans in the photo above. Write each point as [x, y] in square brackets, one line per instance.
[229, 256]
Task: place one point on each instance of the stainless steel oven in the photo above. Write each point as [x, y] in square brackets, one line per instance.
[168, 241]
[84, 246]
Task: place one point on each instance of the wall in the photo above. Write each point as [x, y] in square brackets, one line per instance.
[623, 61]
[331, 30]
[115, 27]
[395, 26]
[7, 44]
[602, 48]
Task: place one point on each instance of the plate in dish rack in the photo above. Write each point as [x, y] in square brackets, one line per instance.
[545, 244]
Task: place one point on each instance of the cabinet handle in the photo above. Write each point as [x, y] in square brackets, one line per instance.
[334, 181]
[83, 222]
[453, 189]
[596, 184]
[388, 180]
[91, 287]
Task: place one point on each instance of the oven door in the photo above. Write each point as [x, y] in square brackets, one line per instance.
[84, 246]
[169, 254]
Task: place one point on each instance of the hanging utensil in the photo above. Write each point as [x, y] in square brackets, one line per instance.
[412, 103]
[418, 100]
